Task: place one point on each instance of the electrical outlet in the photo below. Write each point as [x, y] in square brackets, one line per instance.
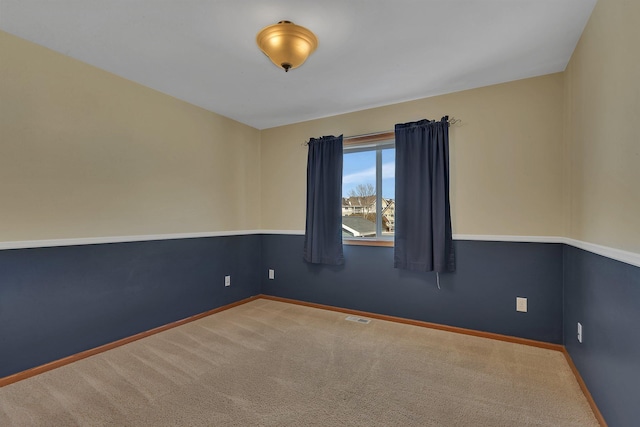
[272, 274]
[521, 304]
[580, 332]
[227, 280]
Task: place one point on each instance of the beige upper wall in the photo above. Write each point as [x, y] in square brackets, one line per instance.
[84, 153]
[602, 98]
[506, 157]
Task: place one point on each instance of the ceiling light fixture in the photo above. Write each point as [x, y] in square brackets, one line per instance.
[286, 44]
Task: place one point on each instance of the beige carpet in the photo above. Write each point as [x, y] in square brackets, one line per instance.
[268, 363]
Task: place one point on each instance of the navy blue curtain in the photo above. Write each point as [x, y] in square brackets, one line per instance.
[323, 230]
[423, 238]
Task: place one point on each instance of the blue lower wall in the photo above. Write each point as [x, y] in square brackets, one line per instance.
[480, 295]
[56, 302]
[59, 301]
[604, 295]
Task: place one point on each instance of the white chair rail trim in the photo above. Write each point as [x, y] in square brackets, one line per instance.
[613, 253]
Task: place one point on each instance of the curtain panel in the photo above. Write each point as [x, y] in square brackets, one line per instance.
[323, 229]
[423, 236]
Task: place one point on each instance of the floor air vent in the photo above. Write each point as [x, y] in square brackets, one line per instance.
[358, 319]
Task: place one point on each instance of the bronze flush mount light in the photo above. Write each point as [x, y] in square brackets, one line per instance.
[286, 44]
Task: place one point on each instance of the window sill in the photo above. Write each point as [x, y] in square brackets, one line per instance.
[358, 242]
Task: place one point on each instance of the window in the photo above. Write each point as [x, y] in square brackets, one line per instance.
[368, 189]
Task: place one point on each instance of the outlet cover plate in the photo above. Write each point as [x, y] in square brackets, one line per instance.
[272, 274]
[521, 304]
[227, 280]
[580, 332]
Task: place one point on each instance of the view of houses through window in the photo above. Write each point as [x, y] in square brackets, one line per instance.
[368, 191]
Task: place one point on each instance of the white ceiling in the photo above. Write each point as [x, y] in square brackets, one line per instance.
[370, 53]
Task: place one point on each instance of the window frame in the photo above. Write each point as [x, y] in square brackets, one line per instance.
[373, 142]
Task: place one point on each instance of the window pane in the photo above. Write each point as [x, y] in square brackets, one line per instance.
[359, 194]
[388, 191]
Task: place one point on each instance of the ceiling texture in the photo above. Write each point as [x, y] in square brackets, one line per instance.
[371, 52]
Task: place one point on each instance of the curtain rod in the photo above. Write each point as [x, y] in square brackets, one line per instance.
[452, 121]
